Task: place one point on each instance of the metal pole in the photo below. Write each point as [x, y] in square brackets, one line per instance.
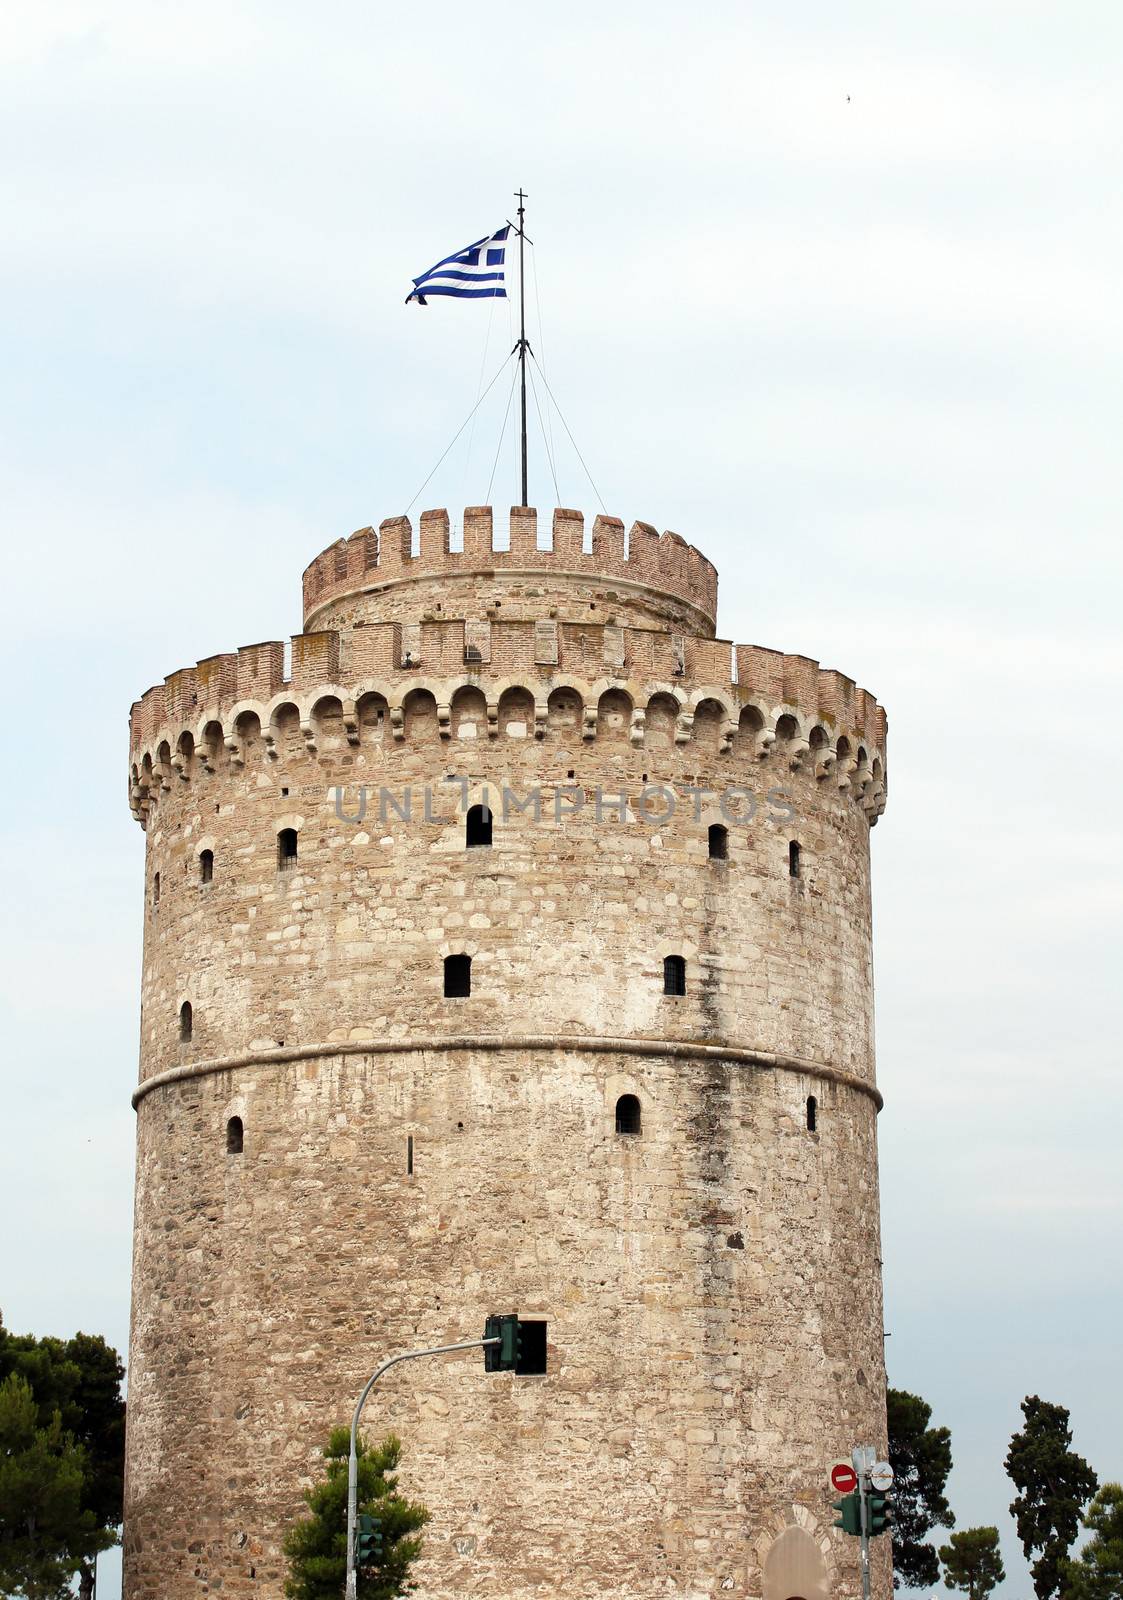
[522, 341]
[862, 1465]
[350, 1590]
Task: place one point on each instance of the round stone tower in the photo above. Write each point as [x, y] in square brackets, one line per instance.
[507, 947]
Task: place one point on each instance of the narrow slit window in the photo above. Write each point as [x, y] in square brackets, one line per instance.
[156, 889]
[719, 842]
[186, 1022]
[286, 850]
[812, 1113]
[458, 977]
[793, 859]
[235, 1137]
[477, 828]
[409, 1155]
[206, 866]
[629, 1117]
[674, 975]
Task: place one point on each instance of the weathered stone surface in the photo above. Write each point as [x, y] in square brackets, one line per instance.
[712, 1285]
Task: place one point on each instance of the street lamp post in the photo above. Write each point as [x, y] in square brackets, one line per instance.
[351, 1590]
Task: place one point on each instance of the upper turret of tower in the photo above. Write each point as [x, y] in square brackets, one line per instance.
[643, 578]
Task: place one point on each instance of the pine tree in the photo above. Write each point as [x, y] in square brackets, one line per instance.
[45, 1535]
[921, 1460]
[316, 1548]
[79, 1379]
[1055, 1485]
[972, 1562]
[1097, 1573]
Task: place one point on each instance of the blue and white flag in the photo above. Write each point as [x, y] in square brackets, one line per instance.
[474, 273]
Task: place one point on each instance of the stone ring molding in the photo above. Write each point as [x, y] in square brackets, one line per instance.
[601, 1044]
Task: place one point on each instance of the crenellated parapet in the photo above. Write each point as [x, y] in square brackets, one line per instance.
[658, 574]
[391, 679]
[776, 708]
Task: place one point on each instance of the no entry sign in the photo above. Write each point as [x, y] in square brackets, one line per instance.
[843, 1477]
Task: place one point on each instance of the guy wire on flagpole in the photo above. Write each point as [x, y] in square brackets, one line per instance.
[465, 423]
[502, 432]
[567, 428]
[540, 358]
[545, 436]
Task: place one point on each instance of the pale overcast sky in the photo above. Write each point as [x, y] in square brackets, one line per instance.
[833, 291]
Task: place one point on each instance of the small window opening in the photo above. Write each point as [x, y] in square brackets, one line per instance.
[674, 975]
[185, 1022]
[629, 1117]
[206, 866]
[719, 842]
[284, 792]
[409, 1155]
[235, 1137]
[812, 1113]
[286, 849]
[458, 977]
[156, 889]
[793, 859]
[477, 828]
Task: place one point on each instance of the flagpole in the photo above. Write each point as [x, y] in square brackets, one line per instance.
[522, 340]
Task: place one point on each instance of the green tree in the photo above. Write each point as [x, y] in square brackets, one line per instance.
[1054, 1486]
[44, 1533]
[921, 1460]
[316, 1548]
[1097, 1573]
[80, 1380]
[972, 1562]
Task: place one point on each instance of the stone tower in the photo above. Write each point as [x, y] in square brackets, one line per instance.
[508, 947]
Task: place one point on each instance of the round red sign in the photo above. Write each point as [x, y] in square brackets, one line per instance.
[844, 1478]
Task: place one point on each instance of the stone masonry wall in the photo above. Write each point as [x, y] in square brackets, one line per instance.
[712, 1285]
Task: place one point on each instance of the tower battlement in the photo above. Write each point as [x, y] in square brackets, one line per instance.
[660, 572]
[764, 703]
[219, 686]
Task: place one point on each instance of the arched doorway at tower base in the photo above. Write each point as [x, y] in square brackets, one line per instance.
[794, 1568]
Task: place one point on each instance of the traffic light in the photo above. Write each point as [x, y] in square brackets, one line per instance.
[878, 1514]
[500, 1357]
[368, 1540]
[521, 1347]
[849, 1517]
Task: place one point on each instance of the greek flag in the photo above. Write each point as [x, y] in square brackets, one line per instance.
[474, 273]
